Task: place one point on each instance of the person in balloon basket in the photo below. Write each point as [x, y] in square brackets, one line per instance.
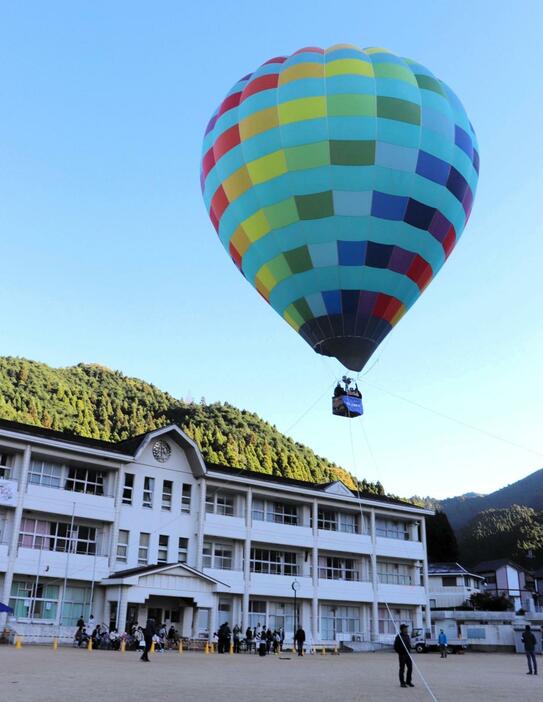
[402, 646]
[148, 633]
[529, 641]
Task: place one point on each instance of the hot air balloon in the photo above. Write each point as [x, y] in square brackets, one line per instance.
[339, 181]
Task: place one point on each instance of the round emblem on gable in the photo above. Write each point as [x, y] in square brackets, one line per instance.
[161, 451]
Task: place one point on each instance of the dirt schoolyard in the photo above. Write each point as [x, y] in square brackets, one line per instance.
[40, 674]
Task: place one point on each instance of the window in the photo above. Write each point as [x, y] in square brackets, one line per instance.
[45, 473]
[278, 512]
[185, 498]
[163, 540]
[273, 562]
[57, 536]
[467, 581]
[333, 568]
[167, 487]
[128, 488]
[391, 618]
[281, 614]
[327, 520]
[433, 604]
[330, 520]
[348, 523]
[224, 609]
[391, 529]
[257, 612]
[339, 620]
[143, 550]
[182, 550]
[448, 581]
[476, 632]
[217, 555]
[76, 603]
[148, 489]
[122, 546]
[5, 466]
[84, 480]
[391, 573]
[31, 601]
[217, 503]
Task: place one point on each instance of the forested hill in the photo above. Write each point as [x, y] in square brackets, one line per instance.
[96, 402]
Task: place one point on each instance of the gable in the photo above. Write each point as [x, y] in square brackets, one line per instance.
[169, 446]
[338, 488]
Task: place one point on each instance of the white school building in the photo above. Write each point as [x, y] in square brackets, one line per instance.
[144, 527]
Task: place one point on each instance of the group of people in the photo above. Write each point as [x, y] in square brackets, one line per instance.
[259, 638]
[135, 638]
[339, 391]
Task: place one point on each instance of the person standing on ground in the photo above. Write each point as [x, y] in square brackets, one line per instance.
[402, 646]
[299, 639]
[442, 641]
[148, 634]
[528, 639]
[236, 636]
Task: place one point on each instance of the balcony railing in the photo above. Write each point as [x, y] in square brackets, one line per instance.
[394, 579]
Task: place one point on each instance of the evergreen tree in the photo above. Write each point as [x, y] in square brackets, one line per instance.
[441, 540]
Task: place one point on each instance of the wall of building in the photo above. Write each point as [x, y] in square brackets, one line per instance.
[384, 562]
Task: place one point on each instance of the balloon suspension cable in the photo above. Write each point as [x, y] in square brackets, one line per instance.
[415, 666]
[460, 422]
[311, 406]
[394, 622]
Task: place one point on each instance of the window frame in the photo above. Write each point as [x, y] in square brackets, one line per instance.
[46, 479]
[223, 504]
[144, 547]
[122, 546]
[167, 495]
[215, 555]
[186, 498]
[271, 561]
[148, 492]
[182, 548]
[163, 546]
[6, 464]
[79, 476]
[128, 489]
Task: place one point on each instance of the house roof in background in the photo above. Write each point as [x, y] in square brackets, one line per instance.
[450, 569]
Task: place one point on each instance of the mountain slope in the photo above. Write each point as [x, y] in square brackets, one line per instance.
[94, 401]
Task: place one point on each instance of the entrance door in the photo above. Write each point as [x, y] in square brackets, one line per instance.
[132, 616]
[156, 614]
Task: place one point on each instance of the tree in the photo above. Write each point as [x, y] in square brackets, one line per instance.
[441, 541]
[504, 533]
[487, 602]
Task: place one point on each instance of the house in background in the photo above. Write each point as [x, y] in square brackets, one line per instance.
[506, 577]
[450, 585]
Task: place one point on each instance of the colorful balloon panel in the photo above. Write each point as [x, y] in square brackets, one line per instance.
[339, 181]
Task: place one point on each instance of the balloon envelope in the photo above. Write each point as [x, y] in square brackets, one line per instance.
[339, 181]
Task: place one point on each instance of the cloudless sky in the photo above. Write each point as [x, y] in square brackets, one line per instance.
[108, 255]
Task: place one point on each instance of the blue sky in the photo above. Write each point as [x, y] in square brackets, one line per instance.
[108, 255]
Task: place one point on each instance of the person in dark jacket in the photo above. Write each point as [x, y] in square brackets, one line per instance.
[148, 633]
[528, 639]
[299, 639]
[402, 646]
